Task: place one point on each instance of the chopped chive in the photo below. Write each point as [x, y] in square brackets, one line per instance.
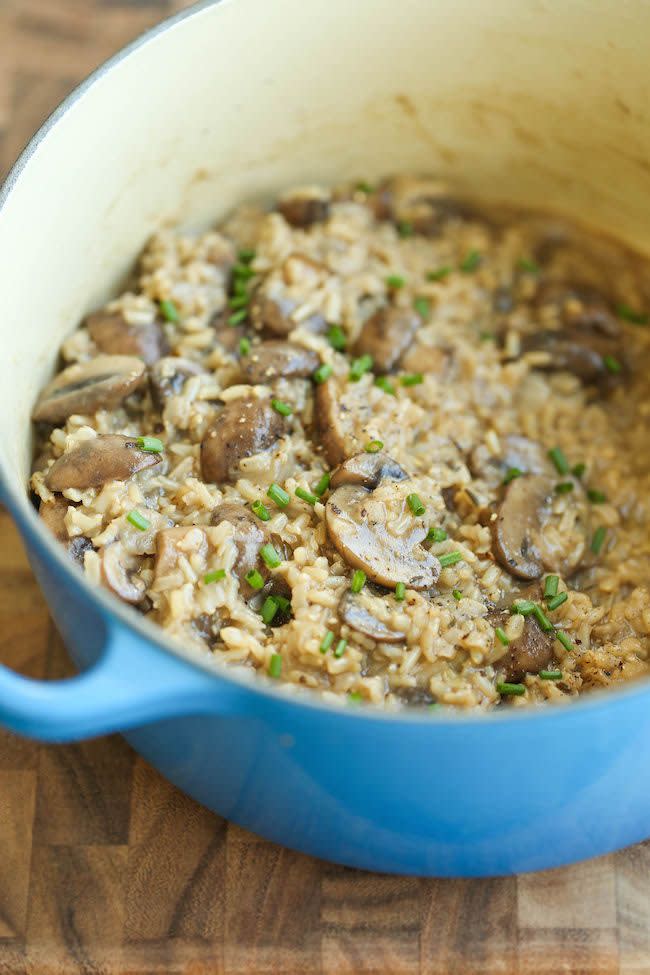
[260, 509]
[279, 495]
[596, 497]
[323, 372]
[438, 274]
[449, 558]
[374, 446]
[470, 262]
[214, 576]
[405, 228]
[550, 674]
[151, 445]
[598, 539]
[363, 187]
[413, 379]
[269, 556]
[283, 603]
[556, 454]
[557, 601]
[244, 346]
[630, 315]
[340, 648]
[254, 579]
[564, 640]
[360, 366]
[243, 272]
[436, 534]
[511, 474]
[306, 496]
[612, 364]
[578, 470]
[238, 317]
[550, 586]
[239, 300]
[434, 706]
[523, 607]
[395, 281]
[358, 580]
[564, 487]
[169, 311]
[501, 636]
[400, 591]
[138, 521]
[486, 336]
[383, 382]
[542, 619]
[526, 264]
[457, 594]
[415, 504]
[337, 338]
[511, 690]
[275, 665]
[355, 697]
[246, 255]
[326, 642]
[282, 408]
[269, 609]
[422, 307]
[322, 485]
[240, 289]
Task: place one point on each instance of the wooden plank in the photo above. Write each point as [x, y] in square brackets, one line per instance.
[633, 909]
[17, 794]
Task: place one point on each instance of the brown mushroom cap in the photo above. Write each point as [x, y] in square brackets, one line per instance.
[93, 462]
[367, 470]
[113, 335]
[327, 418]
[355, 611]
[167, 377]
[517, 452]
[85, 387]
[243, 427]
[386, 336]
[119, 572]
[273, 314]
[304, 208]
[53, 514]
[228, 336]
[277, 359]
[423, 203]
[249, 535]
[362, 526]
[580, 305]
[529, 653]
[579, 351]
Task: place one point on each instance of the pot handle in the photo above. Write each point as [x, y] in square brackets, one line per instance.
[127, 687]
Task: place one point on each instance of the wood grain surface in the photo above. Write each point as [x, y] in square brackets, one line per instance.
[106, 868]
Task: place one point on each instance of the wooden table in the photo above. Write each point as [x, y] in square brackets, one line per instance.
[106, 868]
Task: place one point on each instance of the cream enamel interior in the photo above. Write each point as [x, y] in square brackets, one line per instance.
[525, 100]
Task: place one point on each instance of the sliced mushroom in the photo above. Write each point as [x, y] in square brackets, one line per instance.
[367, 470]
[359, 617]
[53, 514]
[580, 305]
[277, 359]
[273, 314]
[85, 387]
[415, 697]
[327, 417]
[249, 536]
[302, 208]
[168, 376]
[119, 572]
[243, 427]
[113, 335]
[386, 336]
[529, 653]
[527, 537]
[371, 532]
[517, 453]
[579, 351]
[422, 203]
[108, 457]
[228, 336]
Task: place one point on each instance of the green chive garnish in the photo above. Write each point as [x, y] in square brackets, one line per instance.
[306, 496]
[544, 622]
[275, 665]
[449, 558]
[260, 509]
[395, 281]
[550, 586]
[598, 539]
[512, 474]
[611, 364]
[246, 255]
[438, 274]
[383, 382]
[374, 446]
[564, 640]
[436, 534]
[556, 454]
[254, 579]
[511, 690]
[279, 495]
[269, 556]
[415, 504]
[523, 607]
[322, 485]
[578, 470]
[169, 311]
[405, 228]
[238, 317]
[323, 372]
[340, 648]
[138, 521]
[243, 272]
[240, 300]
[283, 603]
[244, 346]
[564, 487]
[360, 366]
[355, 697]
[550, 674]
[269, 609]
[358, 580]
[282, 408]
[363, 187]
[151, 445]
[337, 338]
[215, 576]
[400, 591]
[526, 264]
[470, 262]
[557, 601]
[630, 315]
[486, 336]
[501, 636]
[326, 642]
[457, 594]
[414, 379]
[596, 497]
[422, 307]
